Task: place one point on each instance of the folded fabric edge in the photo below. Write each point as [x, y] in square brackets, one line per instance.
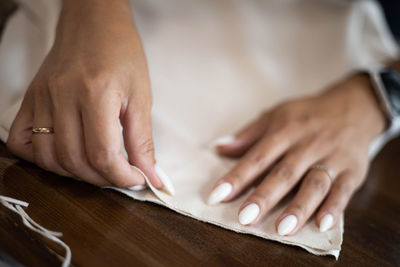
[3, 134]
[315, 251]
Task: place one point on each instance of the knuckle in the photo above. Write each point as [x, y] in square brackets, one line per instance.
[290, 123]
[257, 158]
[95, 81]
[263, 198]
[147, 146]
[284, 127]
[292, 116]
[334, 206]
[305, 118]
[45, 162]
[54, 83]
[332, 134]
[70, 162]
[282, 142]
[234, 177]
[297, 208]
[13, 144]
[93, 85]
[344, 186]
[284, 112]
[56, 80]
[319, 182]
[284, 171]
[274, 141]
[103, 160]
[41, 94]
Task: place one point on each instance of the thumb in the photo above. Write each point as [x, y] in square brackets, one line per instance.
[139, 145]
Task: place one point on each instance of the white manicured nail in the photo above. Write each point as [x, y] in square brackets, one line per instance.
[225, 140]
[219, 193]
[287, 225]
[249, 214]
[138, 187]
[326, 223]
[168, 187]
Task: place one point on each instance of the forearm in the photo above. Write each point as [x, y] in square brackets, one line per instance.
[100, 18]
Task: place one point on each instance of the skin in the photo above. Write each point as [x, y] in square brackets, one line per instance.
[334, 129]
[95, 74]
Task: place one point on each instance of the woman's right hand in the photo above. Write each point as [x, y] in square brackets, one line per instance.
[94, 75]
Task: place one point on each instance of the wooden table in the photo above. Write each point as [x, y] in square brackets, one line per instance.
[105, 228]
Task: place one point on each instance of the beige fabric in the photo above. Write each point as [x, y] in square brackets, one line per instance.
[215, 65]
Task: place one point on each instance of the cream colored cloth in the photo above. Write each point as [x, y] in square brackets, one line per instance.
[214, 66]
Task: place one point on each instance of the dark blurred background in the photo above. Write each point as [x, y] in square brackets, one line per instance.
[392, 13]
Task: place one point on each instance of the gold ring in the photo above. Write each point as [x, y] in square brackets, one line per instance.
[327, 170]
[42, 130]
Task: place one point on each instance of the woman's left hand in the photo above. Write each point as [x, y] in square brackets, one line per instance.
[321, 142]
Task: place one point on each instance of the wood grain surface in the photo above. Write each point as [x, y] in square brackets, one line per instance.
[105, 228]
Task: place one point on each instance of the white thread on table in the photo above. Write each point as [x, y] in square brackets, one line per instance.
[16, 205]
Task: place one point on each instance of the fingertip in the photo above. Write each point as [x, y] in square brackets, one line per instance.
[287, 225]
[224, 141]
[149, 172]
[249, 213]
[325, 221]
[224, 145]
[156, 181]
[220, 192]
[154, 177]
[158, 178]
[167, 185]
[138, 187]
[230, 146]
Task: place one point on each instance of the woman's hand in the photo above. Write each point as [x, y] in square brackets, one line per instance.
[94, 75]
[282, 146]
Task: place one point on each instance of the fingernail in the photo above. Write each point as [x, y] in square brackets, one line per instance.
[168, 187]
[249, 214]
[219, 193]
[287, 225]
[138, 187]
[326, 223]
[225, 140]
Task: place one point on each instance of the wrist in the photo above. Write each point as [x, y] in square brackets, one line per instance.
[361, 94]
[83, 18]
